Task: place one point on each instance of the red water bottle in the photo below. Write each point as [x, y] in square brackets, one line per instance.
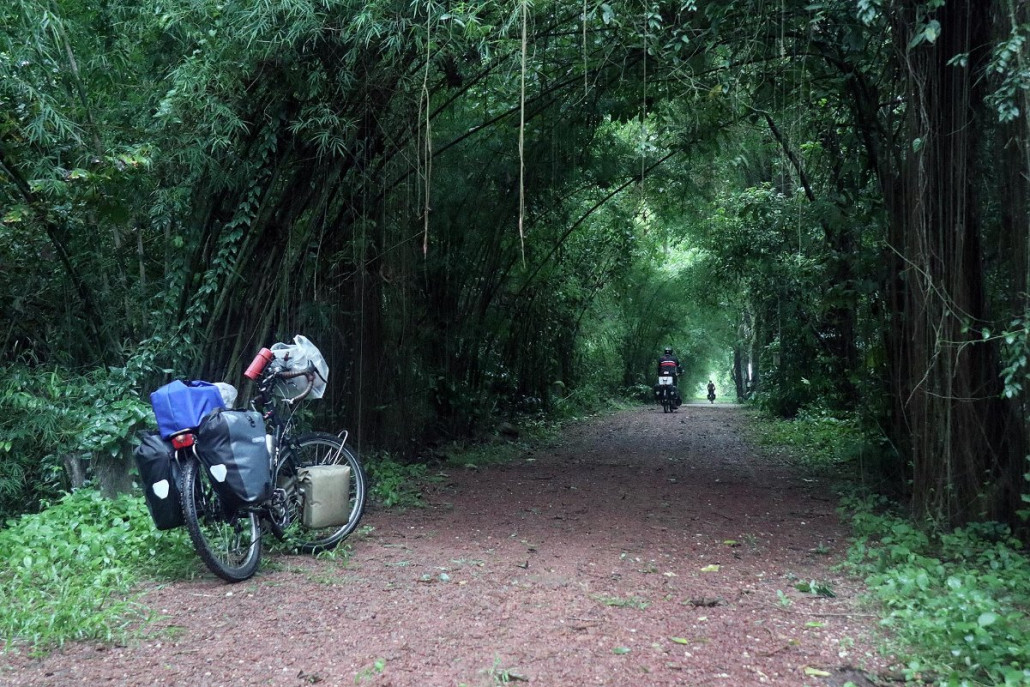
[257, 365]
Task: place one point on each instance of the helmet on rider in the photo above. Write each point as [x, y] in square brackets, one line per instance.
[668, 350]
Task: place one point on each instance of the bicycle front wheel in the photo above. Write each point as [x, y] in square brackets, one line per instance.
[318, 448]
[226, 539]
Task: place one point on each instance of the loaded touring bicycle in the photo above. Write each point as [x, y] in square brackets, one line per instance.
[230, 475]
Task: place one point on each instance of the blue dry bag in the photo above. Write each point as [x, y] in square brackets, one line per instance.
[179, 406]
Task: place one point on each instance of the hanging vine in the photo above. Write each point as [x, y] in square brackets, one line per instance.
[427, 138]
[524, 5]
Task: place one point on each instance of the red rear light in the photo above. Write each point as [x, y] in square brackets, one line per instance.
[184, 440]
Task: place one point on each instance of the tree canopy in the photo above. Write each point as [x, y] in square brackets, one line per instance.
[485, 209]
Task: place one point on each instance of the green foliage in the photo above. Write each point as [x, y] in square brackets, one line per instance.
[815, 587]
[475, 455]
[48, 416]
[814, 438]
[503, 676]
[957, 603]
[69, 573]
[568, 405]
[1016, 356]
[393, 484]
[73, 170]
[635, 602]
[370, 672]
[1016, 377]
[1011, 73]
[777, 252]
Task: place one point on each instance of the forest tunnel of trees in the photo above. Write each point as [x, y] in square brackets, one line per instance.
[482, 210]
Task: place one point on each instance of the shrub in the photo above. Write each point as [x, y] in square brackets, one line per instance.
[69, 572]
[814, 438]
[392, 483]
[50, 415]
[956, 603]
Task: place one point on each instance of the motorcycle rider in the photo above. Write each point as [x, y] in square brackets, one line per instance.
[669, 364]
[711, 391]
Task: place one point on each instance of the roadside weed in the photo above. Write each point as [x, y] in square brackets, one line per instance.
[369, 672]
[68, 572]
[619, 602]
[815, 587]
[504, 676]
[956, 604]
[814, 438]
[393, 484]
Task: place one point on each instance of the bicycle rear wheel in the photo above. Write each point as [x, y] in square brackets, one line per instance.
[227, 540]
[317, 448]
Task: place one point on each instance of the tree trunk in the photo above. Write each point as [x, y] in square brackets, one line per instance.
[112, 474]
[75, 469]
[947, 415]
[738, 371]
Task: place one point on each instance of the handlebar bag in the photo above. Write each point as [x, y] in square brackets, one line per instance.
[159, 474]
[179, 406]
[231, 446]
[297, 356]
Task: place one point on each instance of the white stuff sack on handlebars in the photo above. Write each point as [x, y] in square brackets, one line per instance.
[296, 356]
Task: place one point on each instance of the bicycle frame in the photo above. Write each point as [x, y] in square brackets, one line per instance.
[264, 402]
[227, 534]
[275, 425]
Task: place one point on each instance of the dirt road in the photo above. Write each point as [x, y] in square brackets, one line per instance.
[642, 549]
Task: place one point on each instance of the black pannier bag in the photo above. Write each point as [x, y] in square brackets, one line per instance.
[231, 446]
[159, 474]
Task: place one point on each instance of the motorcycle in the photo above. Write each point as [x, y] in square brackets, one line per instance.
[711, 395]
[666, 393]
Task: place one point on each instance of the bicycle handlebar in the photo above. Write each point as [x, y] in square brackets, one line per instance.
[308, 372]
[266, 369]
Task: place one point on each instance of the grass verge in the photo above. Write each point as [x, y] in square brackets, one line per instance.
[954, 605]
[70, 571]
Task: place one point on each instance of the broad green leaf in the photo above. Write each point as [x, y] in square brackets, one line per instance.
[16, 214]
[987, 618]
[932, 31]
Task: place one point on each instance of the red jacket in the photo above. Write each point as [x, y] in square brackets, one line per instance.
[668, 365]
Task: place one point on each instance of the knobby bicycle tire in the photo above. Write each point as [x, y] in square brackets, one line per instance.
[226, 539]
[318, 448]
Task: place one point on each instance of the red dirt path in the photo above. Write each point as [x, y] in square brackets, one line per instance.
[642, 549]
